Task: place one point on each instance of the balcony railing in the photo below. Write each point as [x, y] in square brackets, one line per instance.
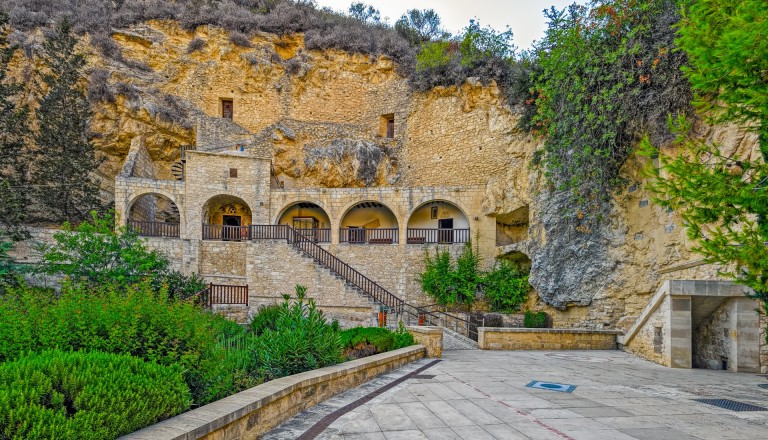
[222, 232]
[219, 294]
[441, 236]
[318, 235]
[154, 229]
[370, 236]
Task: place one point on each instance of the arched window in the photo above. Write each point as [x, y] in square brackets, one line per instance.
[226, 217]
[369, 222]
[154, 215]
[309, 219]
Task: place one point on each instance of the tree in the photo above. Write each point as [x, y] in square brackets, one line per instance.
[64, 176]
[419, 26]
[723, 199]
[605, 74]
[96, 254]
[364, 12]
[14, 154]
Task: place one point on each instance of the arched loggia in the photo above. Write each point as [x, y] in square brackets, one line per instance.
[438, 221]
[154, 215]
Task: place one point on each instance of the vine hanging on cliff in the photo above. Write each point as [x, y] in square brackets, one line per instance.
[605, 73]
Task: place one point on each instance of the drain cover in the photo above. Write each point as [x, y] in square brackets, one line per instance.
[763, 386]
[563, 388]
[731, 404]
[423, 376]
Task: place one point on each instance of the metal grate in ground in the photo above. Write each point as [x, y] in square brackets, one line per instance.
[559, 387]
[763, 386]
[731, 404]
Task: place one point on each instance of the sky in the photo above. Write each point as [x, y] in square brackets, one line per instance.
[524, 17]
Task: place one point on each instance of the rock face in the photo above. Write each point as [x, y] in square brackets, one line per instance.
[334, 119]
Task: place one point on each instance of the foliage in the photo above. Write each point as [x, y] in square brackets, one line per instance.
[478, 52]
[467, 277]
[725, 43]
[14, 154]
[94, 395]
[420, 26]
[66, 160]
[96, 254]
[138, 322]
[452, 283]
[722, 197]
[265, 319]
[606, 73]
[356, 341]
[535, 319]
[364, 12]
[7, 267]
[506, 287]
[302, 341]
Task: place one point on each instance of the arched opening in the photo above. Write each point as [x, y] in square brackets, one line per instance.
[309, 219]
[154, 215]
[438, 221]
[226, 217]
[512, 227]
[369, 222]
[519, 259]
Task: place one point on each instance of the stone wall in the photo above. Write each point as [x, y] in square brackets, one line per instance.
[651, 340]
[430, 337]
[223, 258]
[490, 338]
[254, 412]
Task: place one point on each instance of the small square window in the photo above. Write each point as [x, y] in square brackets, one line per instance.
[233, 172]
[387, 126]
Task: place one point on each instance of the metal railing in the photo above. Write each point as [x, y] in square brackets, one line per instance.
[154, 229]
[442, 236]
[370, 236]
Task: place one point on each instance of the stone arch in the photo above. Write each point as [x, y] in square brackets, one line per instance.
[517, 257]
[437, 221]
[369, 221]
[154, 213]
[292, 203]
[308, 218]
[216, 208]
[429, 199]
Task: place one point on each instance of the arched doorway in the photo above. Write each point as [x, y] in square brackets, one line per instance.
[226, 217]
[308, 218]
[154, 215]
[438, 221]
[369, 222]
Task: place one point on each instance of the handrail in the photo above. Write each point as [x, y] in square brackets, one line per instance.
[154, 229]
[437, 235]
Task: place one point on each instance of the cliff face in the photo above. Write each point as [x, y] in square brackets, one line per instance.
[323, 118]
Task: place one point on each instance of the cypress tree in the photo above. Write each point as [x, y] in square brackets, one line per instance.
[14, 154]
[66, 186]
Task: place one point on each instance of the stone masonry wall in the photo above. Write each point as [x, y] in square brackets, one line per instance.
[651, 340]
[712, 340]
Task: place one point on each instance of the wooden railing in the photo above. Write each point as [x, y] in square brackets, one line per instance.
[318, 235]
[267, 232]
[370, 236]
[220, 294]
[222, 232]
[443, 236]
[154, 229]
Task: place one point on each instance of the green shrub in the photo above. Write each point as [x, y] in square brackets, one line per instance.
[303, 340]
[82, 395]
[381, 338]
[506, 287]
[137, 321]
[535, 319]
[265, 319]
[450, 283]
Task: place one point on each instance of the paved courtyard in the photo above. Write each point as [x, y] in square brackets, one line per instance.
[483, 395]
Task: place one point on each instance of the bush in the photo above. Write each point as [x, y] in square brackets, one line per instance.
[450, 283]
[506, 287]
[535, 319]
[303, 340]
[82, 395]
[136, 321]
[365, 341]
[265, 319]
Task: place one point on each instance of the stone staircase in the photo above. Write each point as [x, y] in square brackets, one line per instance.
[456, 341]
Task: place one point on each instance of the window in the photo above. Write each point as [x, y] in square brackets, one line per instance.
[233, 172]
[227, 108]
[387, 126]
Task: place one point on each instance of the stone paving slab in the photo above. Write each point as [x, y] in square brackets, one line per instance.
[482, 395]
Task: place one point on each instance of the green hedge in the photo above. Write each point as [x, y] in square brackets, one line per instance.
[137, 322]
[63, 395]
[535, 319]
[381, 338]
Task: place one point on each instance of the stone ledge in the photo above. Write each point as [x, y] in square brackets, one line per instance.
[549, 330]
[494, 338]
[255, 411]
[429, 336]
